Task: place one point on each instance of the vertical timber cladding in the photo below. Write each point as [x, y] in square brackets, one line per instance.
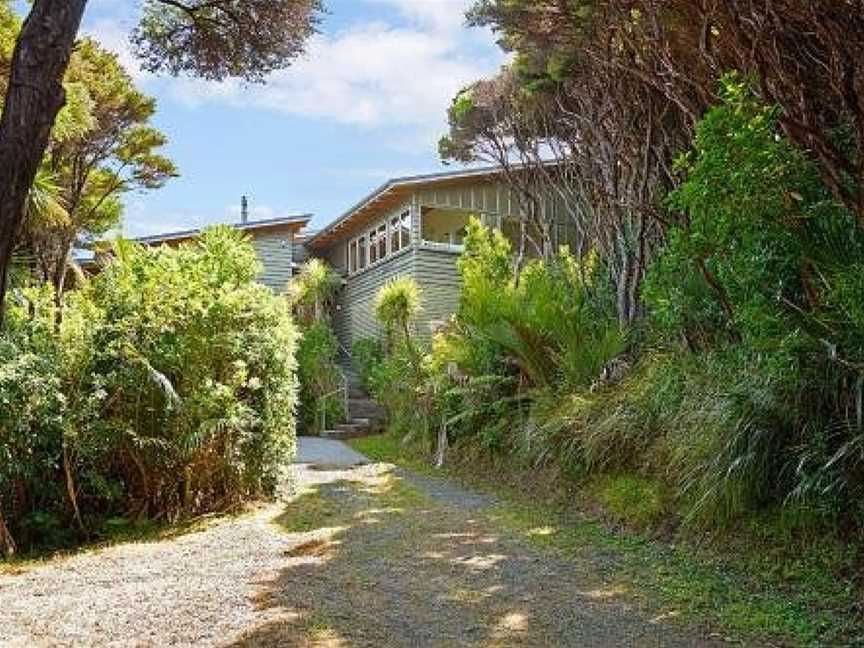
[275, 250]
[484, 197]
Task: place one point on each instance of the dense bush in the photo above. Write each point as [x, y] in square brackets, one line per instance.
[740, 390]
[169, 389]
[393, 371]
[320, 399]
[366, 355]
[765, 284]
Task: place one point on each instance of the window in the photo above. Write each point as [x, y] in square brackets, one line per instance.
[384, 238]
[405, 228]
[352, 256]
[361, 252]
[373, 246]
[395, 229]
[382, 241]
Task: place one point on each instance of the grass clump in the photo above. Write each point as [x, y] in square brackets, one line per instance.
[633, 500]
[744, 584]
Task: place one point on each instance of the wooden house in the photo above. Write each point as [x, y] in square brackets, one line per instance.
[412, 226]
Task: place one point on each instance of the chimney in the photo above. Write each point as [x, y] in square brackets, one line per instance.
[244, 210]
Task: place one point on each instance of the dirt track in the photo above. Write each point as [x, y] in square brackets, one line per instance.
[359, 556]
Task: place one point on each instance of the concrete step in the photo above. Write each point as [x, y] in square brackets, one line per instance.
[366, 408]
[356, 428]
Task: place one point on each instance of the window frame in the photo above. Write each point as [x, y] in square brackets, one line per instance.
[383, 240]
[395, 234]
[352, 255]
[380, 240]
[373, 246]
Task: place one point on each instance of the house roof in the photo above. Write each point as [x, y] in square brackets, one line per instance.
[389, 191]
[251, 226]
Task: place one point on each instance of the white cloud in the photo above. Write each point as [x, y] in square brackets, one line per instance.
[392, 75]
[441, 15]
[371, 75]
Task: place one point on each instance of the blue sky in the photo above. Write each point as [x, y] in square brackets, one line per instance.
[366, 103]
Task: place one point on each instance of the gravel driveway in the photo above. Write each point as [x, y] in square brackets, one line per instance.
[359, 555]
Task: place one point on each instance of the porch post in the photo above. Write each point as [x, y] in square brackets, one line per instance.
[416, 219]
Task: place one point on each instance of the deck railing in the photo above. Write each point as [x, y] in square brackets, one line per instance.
[456, 248]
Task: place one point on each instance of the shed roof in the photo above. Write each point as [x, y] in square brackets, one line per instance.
[295, 222]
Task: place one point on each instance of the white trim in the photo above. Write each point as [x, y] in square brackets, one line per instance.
[375, 229]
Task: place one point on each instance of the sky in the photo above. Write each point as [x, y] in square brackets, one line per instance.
[367, 102]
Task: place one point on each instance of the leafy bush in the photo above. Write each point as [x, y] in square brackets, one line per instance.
[313, 289]
[367, 354]
[168, 390]
[396, 305]
[320, 378]
[757, 283]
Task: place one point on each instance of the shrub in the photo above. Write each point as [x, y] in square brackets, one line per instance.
[396, 305]
[313, 289]
[757, 283]
[366, 355]
[168, 390]
[320, 378]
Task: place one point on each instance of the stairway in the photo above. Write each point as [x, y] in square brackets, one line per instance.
[364, 415]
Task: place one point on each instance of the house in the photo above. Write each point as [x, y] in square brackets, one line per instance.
[413, 226]
[278, 243]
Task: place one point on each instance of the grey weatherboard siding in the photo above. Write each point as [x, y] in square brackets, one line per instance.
[435, 272]
[275, 250]
[480, 192]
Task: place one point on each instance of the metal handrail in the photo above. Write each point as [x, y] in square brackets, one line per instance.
[343, 390]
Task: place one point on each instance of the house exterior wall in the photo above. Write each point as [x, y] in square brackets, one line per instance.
[436, 273]
[432, 264]
[275, 250]
[354, 318]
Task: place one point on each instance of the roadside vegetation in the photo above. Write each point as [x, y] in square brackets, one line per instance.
[167, 390]
[163, 386]
[690, 365]
[321, 398]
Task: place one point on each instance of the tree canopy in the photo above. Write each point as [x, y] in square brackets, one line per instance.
[212, 39]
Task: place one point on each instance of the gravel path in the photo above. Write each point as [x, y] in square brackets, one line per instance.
[358, 556]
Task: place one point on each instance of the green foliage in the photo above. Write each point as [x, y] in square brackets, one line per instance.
[632, 499]
[399, 385]
[770, 264]
[367, 354]
[246, 39]
[397, 304]
[168, 390]
[313, 289]
[320, 378]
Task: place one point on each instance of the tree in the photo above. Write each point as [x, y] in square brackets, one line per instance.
[213, 39]
[396, 305]
[600, 141]
[115, 153]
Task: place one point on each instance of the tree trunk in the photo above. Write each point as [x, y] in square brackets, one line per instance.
[441, 451]
[70, 487]
[34, 98]
[7, 543]
[61, 269]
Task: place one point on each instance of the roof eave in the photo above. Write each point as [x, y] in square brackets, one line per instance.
[320, 239]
